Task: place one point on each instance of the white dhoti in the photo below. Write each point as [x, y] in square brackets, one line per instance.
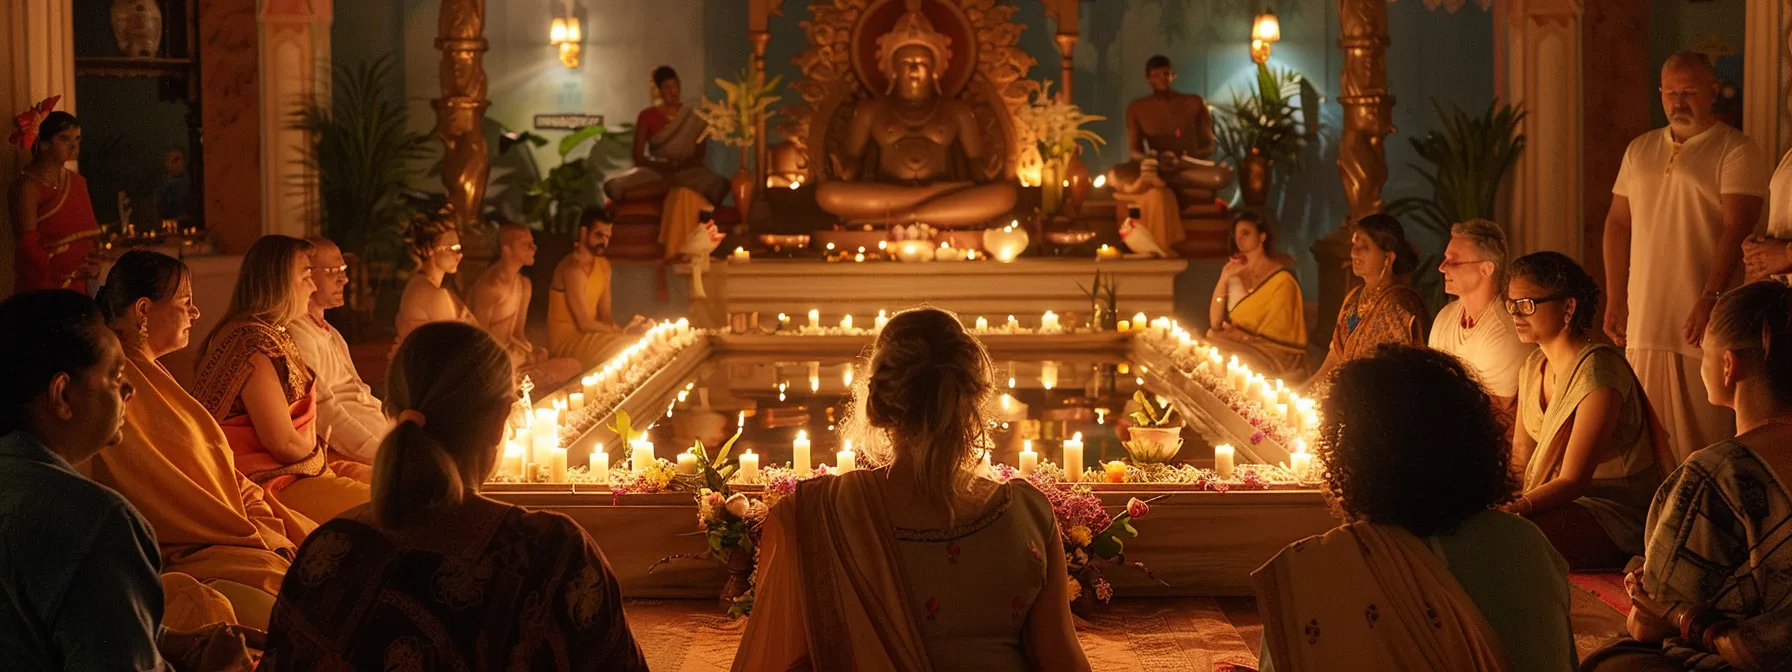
[1677, 393]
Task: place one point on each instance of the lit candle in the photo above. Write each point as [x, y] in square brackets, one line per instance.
[1140, 322]
[1123, 327]
[1300, 461]
[882, 319]
[576, 401]
[1223, 456]
[1048, 375]
[799, 454]
[814, 376]
[600, 464]
[589, 383]
[687, 463]
[846, 323]
[846, 460]
[1013, 324]
[749, 465]
[1029, 460]
[556, 465]
[546, 430]
[741, 255]
[814, 319]
[1282, 412]
[524, 440]
[1107, 252]
[513, 459]
[1048, 323]
[982, 324]
[783, 321]
[643, 455]
[1073, 458]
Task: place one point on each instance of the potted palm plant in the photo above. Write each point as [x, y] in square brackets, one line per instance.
[1266, 127]
[1468, 159]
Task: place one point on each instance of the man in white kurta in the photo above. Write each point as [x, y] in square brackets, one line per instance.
[1686, 198]
[1476, 327]
[347, 411]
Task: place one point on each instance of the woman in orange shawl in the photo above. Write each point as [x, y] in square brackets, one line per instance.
[919, 564]
[51, 213]
[254, 381]
[1383, 309]
[174, 463]
[1424, 574]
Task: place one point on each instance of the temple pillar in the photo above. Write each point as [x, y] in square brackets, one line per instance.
[1767, 80]
[40, 63]
[1064, 13]
[1362, 155]
[1543, 39]
[294, 66]
[460, 121]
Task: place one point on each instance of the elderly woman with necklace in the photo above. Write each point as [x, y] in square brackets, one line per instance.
[53, 222]
[1384, 309]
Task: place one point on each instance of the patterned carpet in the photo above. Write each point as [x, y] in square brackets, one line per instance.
[1194, 633]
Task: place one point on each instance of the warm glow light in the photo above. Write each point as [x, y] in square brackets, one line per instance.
[574, 34]
[557, 33]
[1101, 181]
[1266, 28]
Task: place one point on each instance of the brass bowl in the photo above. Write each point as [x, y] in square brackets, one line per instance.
[1069, 237]
[774, 240]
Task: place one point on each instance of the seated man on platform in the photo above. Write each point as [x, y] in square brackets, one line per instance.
[579, 323]
[918, 133]
[1176, 129]
[500, 304]
[350, 414]
[669, 154]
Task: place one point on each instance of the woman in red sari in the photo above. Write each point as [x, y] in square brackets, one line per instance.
[53, 223]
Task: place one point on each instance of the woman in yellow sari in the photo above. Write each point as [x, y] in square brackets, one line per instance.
[919, 564]
[1257, 310]
[254, 381]
[1383, 309]
[1424, 574]
[175, 465]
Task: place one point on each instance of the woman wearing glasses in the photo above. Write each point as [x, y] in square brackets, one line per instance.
[1586, 439]
[436, 246]
[255, 382]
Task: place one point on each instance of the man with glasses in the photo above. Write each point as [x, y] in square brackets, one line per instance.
[1685, 199]
[1475, 327]
[349, 414]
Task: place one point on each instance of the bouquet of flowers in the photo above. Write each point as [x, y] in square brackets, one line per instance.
[1049, 130]
[734, 120]
[1092, 538]
[731, 521]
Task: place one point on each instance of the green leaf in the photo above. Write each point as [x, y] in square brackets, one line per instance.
[572, 141]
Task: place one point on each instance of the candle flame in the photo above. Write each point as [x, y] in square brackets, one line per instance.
[1078, 437]
[1101, 181]
[802, 435]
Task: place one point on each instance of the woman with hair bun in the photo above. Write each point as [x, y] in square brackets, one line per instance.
[918, 563]
[435, 245]
[1712, 593]
[1591, 450]
[433, 575]
[52, 216]
[1384, 309]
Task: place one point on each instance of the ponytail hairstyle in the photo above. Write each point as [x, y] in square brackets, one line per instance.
[1390, 237]
[264, 286]
[926, 395]
[450, 388]
[139, 274]
[1755, 321]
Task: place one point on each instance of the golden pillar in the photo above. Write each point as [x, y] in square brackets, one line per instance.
[460, 112]
[1064, 13]
[1368, 107]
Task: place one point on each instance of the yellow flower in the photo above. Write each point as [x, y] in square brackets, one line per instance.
[1080, 535]
[1076, 589]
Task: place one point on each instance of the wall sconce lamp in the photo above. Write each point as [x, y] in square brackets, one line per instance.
[566, 35]
[1265, 30]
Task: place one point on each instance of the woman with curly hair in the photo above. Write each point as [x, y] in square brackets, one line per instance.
[1425, 574]
[1384, 309]
[1586, 439]
[919, 563]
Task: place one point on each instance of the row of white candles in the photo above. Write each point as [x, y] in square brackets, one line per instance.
[1279, 401]
[1300, 461]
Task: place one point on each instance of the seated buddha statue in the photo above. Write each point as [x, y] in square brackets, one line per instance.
[921, 138]
[1176, 129]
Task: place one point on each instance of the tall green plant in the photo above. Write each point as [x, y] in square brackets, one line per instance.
[1267, 121]
[1467, 159]
[556, 198]
[362, 157]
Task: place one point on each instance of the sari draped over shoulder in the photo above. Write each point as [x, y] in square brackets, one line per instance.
[50, 256]
[1393, 315]
[224, 370]
[1625, 480]
[564, 337]
[1366, 596]
[176, 468]
[831, 589]
[677, 138]
[1274, 316]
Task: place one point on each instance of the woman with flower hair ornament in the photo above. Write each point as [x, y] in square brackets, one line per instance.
[918, 563]
[1425, 574]
[52, 216]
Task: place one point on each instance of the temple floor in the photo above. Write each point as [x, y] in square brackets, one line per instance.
[1180, 633]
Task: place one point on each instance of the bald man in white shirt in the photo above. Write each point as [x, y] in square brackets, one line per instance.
[347, 411]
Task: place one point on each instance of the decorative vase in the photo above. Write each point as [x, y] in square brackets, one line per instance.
[1077, 173]
[137, 27]
[740, 574]
[1051, 185]
[1253, 180]
[1006, 243]
[1153, 445]
[742, 187]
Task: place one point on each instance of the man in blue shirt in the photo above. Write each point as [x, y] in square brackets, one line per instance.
[78, 566]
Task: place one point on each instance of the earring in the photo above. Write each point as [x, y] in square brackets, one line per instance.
[143, 330]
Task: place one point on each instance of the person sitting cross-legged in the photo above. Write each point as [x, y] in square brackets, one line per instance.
[346, 408]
